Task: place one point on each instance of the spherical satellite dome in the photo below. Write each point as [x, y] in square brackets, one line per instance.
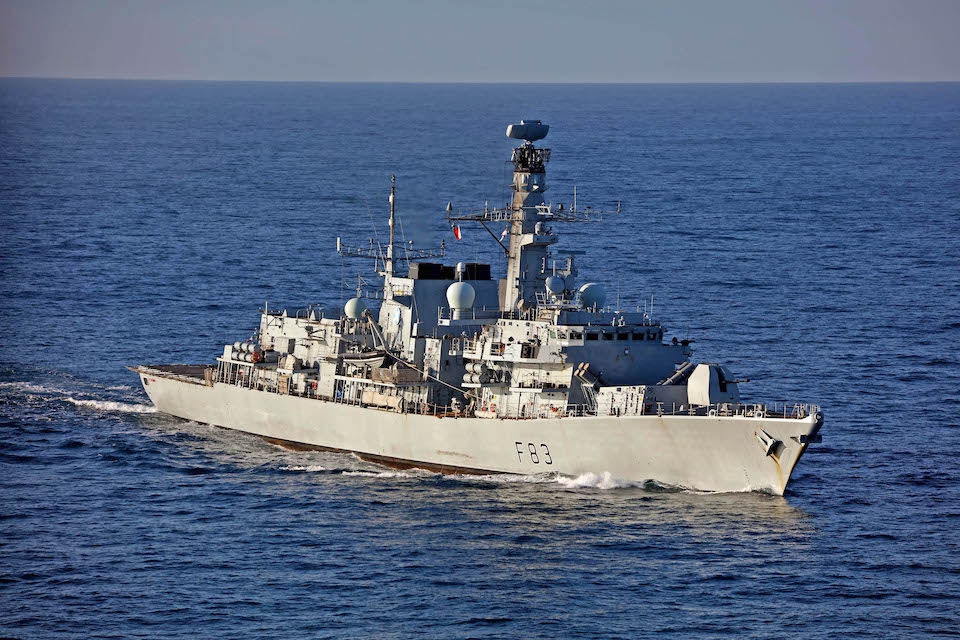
[593, 295]
[355, 308]
[460, 295]
[555, 284]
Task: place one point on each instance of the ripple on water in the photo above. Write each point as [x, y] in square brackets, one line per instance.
[776, 225]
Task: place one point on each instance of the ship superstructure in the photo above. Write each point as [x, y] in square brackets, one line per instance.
[460, 372]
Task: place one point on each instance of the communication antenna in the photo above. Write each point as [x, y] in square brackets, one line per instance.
[393, 198]
[393, 251]
[341, 274]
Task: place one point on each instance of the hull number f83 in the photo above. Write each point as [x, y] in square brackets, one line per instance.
[536, 456]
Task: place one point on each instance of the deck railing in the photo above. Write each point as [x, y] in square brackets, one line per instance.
[783, 410]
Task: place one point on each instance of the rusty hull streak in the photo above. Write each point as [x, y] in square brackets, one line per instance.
[803, 449]
[387, 461]
[776, 461]
[773, 455]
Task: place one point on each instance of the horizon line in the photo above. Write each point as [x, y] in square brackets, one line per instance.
[473, 82]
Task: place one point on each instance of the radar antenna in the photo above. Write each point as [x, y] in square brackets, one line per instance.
[527, 217]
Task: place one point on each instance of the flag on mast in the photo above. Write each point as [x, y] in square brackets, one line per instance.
[503, 235]
[456, 232]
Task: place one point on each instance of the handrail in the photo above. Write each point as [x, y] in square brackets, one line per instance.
[786, 410]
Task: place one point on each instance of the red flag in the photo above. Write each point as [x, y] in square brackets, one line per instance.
[456, 232]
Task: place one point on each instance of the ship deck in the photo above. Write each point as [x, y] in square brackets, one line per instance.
[186, 372]
[202, 374]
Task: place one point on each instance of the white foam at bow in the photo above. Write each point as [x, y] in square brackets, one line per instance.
[508, 478]
[378, 474]
[591, 480]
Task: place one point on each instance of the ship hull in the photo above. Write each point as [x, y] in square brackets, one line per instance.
[698, 452]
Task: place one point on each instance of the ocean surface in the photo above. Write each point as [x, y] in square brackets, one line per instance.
[807, 236]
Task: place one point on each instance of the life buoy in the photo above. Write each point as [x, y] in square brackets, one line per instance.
[313, 385]
[712, 413]
[759, 414]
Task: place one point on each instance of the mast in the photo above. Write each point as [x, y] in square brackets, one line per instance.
[375, 251]
[528, 218]
[393, 198]
[528, 237]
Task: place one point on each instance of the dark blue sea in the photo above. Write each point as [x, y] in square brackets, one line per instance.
[807, 236]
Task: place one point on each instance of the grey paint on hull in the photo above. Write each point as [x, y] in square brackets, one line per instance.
[697, 452]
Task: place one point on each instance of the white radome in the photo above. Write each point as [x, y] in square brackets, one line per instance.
[593, 295]
[460, 295]
[555, 284]
[354, 308]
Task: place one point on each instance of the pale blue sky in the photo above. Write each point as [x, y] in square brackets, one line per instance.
[484, 41]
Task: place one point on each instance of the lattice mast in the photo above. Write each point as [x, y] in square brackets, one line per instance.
[527, 218]
[529, 238]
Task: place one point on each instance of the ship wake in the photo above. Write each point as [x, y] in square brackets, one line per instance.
[78, 394]
[106, 406]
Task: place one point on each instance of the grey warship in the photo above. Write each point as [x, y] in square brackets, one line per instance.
[458, 372]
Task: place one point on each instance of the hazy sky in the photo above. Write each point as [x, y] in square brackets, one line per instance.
[484, 41]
